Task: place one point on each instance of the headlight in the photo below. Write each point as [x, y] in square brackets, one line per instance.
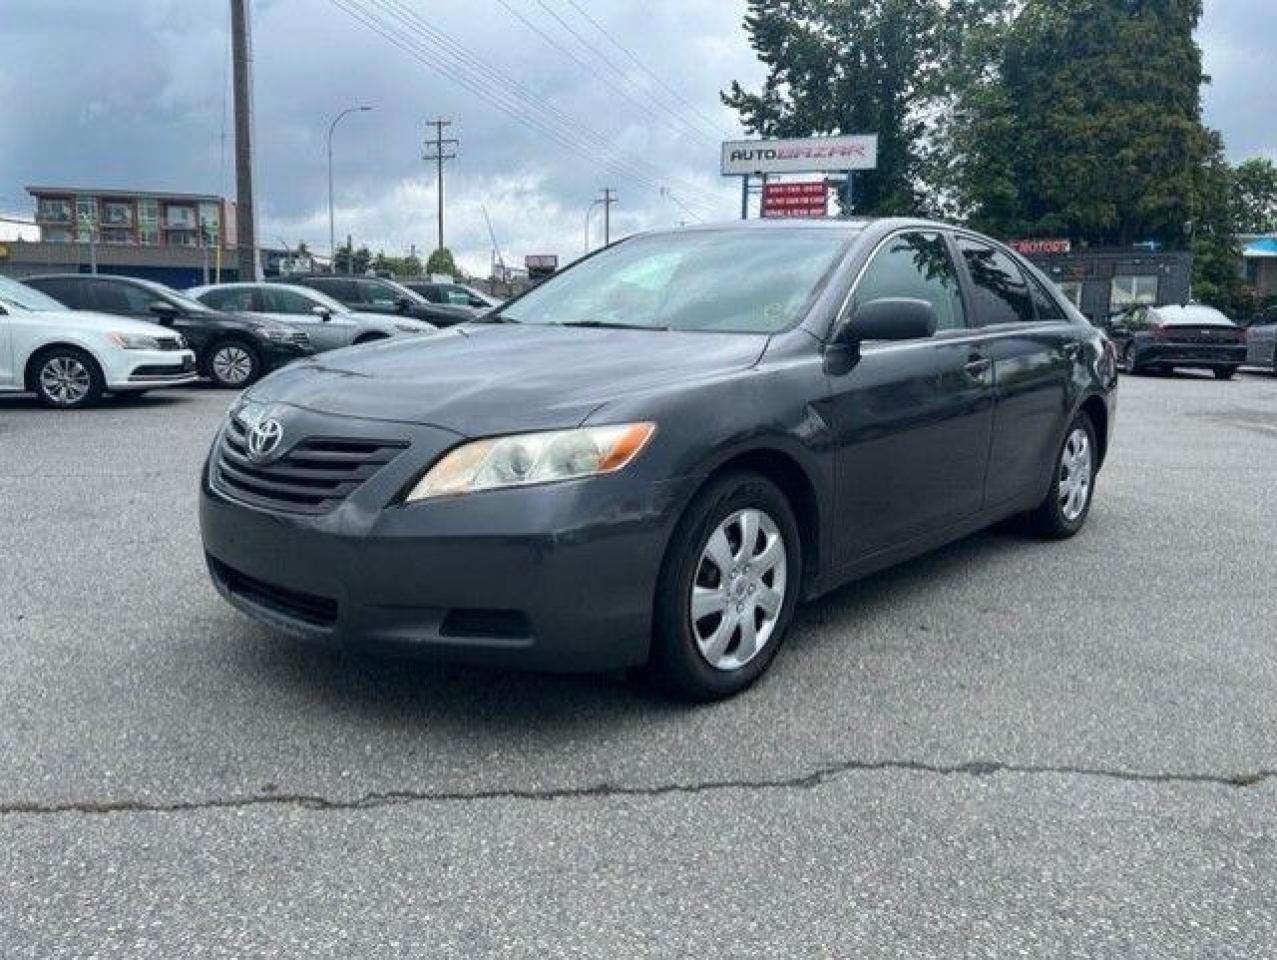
[530, 458]
[133, 341]
[407, 328]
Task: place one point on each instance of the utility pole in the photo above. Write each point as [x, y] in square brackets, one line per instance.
[443, 149]
[609, 198]
[242, 58]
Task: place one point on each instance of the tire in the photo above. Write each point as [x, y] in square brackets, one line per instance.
[1061, 514]
[233, 364]
[1224, 373]
[67, 378]
[1128, 360]
[707, 660]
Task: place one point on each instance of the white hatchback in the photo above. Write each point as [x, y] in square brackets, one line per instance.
[69, 358]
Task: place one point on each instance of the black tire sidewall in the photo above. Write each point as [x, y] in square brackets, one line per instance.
[97, 383]
[1051, 519]
[253, 375]
[676, 664]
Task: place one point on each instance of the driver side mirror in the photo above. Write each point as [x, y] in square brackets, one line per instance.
[890, 318]
[403, 304]
[322, 312]
[164, 310]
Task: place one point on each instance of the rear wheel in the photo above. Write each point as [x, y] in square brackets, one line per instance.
[67, 378]
[234, 364]
[1064, 509]
[728, 589]
[1128, 359]
[1225, 373]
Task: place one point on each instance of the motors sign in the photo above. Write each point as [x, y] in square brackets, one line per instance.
[741, 158]
[786, 200]
[1038, 246]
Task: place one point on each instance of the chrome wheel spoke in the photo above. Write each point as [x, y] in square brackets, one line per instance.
[749, 639]
[769, 601]
[719, 552]
[749, 525]
[715, 645]
[1076, 468]
[707, 602]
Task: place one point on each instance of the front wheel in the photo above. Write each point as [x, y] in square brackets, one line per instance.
[234, 365]
[1225, 373]
[728, 589]
[67, 378]
[1063, 512]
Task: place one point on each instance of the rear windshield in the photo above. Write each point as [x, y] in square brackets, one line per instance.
[1192, 316]
[742, 281]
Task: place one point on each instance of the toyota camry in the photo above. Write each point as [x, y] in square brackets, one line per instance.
[650, 459]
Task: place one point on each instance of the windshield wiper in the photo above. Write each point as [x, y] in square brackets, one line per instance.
[607, 324]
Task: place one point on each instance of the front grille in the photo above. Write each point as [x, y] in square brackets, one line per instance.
[306, 607]
[313, 477]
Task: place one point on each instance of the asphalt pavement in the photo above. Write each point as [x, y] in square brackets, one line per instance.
[1007, 748]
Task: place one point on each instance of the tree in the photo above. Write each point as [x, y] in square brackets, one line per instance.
[1087, 124]
[1217, 254]
[441, 262]
[857, 66]
[1255, 186]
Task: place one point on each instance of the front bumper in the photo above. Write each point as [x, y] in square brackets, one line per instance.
[148, 369]
[277, 353]
[558, 577]
[1206, 356]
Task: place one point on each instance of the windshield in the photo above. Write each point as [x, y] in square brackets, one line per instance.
[742, 281]
[182, 300]
[14, 294]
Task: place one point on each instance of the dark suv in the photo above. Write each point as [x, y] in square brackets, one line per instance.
[232, 349]
[456, 294]
[375, 295]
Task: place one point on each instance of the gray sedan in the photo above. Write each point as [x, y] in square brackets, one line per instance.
[330, 324]
[1262, 342]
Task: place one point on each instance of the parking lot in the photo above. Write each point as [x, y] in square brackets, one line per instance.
[1006, 747]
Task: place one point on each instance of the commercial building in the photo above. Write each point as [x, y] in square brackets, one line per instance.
[1103, 280]
[1259, 254]
[176, 238]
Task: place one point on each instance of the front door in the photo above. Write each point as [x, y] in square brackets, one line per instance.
[912, 418]
[326, 333]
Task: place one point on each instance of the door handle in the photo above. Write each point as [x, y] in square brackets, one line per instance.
[977, 365]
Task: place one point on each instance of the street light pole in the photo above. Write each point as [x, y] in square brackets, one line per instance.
[332, 232]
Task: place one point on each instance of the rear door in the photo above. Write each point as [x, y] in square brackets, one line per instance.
[912, 418]
[1034, 347]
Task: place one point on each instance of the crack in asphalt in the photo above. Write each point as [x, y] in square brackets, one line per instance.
[807, 781]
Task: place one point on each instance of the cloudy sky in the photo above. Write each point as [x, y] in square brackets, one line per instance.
[133, 94]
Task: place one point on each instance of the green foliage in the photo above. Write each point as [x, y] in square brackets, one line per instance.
[1217, 255]
[857, 66]
[1255, 187]
[441, 262]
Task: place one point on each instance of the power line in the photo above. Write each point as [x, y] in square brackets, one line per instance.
[451, 60]
[642, 66]
[601, 77]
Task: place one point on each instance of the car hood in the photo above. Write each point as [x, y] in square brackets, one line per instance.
[100, 322]
[483, 379]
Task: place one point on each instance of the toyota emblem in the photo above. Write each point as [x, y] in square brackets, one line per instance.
[264, 439]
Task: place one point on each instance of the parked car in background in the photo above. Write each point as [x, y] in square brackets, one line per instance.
[329, 324]
[455, 294]
[375, 295]
[231, 349]
[1160, 339]
[69, 358]
[655, 455]
[1261, 341]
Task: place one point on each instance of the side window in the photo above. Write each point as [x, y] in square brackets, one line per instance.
[916, 266]
[457, 295]
[232, 298]
[277, 300]
[431, 292]
[65, 290]
[1046, 306]
[1001, 293]
[111, 296]
[340, 290]
[379, 294]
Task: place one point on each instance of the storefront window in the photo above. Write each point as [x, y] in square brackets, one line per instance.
[1130, 291]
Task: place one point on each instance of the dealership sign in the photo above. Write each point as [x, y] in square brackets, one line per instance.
[1030, 247]
[812, 155]
[784, 200]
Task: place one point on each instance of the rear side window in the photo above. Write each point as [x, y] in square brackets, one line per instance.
[378, 293]
[1001, 292]
[343, 291]
[1046, 306]
[235, 298]
[277, 300]
[66, 290]
[916, 266]
[430, 292]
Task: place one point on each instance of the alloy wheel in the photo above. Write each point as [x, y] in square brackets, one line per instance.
[65, 380]
[738, 591]
[1076, 470]
[232, 365]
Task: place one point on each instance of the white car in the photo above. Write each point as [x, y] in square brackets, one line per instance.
[329, 324]
[69, 358]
